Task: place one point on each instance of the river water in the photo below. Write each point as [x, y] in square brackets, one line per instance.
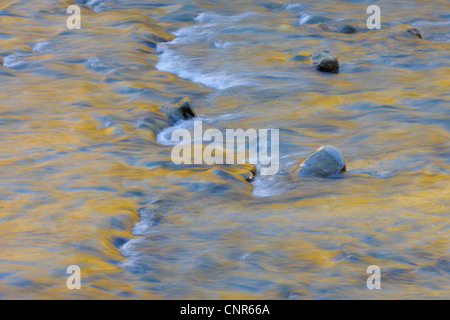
[87, 179]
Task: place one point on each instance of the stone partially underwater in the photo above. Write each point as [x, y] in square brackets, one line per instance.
[183, 110]
[324, 61]
[405, 31]
[167, 115]
[324, 162]
[151, 34]
[348, 28]
[240, 173]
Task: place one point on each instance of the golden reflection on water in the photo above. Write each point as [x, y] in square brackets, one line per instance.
[76, 165]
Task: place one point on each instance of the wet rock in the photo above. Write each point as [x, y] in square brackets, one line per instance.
[248, 172]
[245, 172]
[151, 34]
[339, 27]
[186, 109]
[161, 36]
[348, 29]
[434, 31]
[318, 27]
[323, 27]
[414, 32]
[405, 31]
[324, 162]
[182, 110]
[324, 61]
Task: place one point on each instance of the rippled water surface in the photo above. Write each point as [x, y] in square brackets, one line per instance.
[86, 177]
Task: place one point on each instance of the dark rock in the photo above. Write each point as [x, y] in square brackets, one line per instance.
[182, 110]
[339, 27]
[186, 109]
[324, 61]
[413, 31]
[405, 31]
[324, 162]
[245, 172]
[249, 172]
[348, 29]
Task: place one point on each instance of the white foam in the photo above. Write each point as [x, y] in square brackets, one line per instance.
[294, 6]
[15, 59]
[267, 186]
[211, 17]
[218, 44]
[97, 5]
[40, 46]
[95, 63]
[193, 54]
[164, 137]
[304, 18]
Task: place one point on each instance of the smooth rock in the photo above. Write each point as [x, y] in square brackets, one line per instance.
[323, 27]
[348, 29]
[414, 32]
[324, 162]
[300, 57]
[405, 31]
[339, 27]
[161, 36]
[324, 61]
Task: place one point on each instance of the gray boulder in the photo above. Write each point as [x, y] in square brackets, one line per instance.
[324, 162]
[324, 61]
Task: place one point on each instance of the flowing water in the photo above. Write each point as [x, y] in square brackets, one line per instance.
[87, 179]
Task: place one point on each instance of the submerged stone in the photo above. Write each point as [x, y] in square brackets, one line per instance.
[405, 31]
[339, 27]
[348, 29]
[414, 32]
[324, 61]
[300, 57]
[323, 26]
[324, 162]
[157, 36]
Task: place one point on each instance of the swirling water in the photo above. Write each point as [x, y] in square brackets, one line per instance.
[86, 175]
